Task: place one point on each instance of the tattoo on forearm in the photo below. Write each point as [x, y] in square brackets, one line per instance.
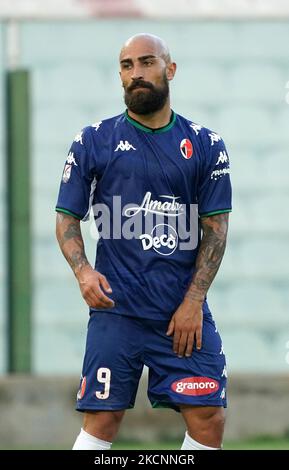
[72, 231]
[210, 255]
[78, 260]
[70, 241]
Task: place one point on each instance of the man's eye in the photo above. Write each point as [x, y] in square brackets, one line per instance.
[126, 66]
[148, 62]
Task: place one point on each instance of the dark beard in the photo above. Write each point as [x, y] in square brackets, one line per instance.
[146, 101]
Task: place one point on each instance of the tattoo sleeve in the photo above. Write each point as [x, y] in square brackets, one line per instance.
[210, 255]
[70, 240]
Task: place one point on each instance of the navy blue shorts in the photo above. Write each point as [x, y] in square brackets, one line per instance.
[119, 346]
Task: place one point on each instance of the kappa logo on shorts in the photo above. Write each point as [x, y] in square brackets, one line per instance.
[195, 386]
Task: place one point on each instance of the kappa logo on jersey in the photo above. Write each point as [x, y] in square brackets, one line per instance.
[81, 391]
[163, 239]
[78, 137]
[96, 125]
[186, 148]
[71, 159]
[214, 137]
[196, 128]
[223, 158]
[217, 174]
[195, 386]
[124, 146]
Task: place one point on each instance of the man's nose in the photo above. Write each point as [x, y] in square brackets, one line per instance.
[137, 73]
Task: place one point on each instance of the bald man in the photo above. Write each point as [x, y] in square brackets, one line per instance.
[160, 191]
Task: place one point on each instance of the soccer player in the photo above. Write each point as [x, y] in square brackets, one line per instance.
[160, 189]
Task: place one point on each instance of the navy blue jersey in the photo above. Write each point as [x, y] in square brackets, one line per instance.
[148, 189]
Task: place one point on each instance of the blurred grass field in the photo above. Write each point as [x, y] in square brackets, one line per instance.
[258, 443]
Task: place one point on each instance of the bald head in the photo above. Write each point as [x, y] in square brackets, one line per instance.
[154, 43]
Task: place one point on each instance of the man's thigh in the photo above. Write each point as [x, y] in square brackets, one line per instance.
[199, 380]
[112, 364]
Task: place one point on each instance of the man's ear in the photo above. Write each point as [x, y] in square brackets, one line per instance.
[171, 70]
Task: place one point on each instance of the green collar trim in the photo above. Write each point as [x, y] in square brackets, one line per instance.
[148, 129]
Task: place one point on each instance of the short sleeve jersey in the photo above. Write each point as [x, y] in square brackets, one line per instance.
[148, 190]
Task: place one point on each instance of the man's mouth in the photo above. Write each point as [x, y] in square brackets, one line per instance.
[140, 87]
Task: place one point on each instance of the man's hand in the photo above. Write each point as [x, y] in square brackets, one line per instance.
[187, 325]
[92, 284]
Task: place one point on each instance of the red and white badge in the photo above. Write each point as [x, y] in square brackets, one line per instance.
[186, 148]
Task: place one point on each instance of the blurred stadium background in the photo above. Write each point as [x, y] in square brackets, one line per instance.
[233, 77]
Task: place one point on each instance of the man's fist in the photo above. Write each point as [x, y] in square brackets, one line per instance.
[92, 285]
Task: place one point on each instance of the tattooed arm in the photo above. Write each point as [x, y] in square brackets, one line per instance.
[91, 282]
[186, 323]
[210, 255]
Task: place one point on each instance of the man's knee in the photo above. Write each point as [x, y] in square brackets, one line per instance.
[205, 424]
[103, 424]
[216, 419]
[213, 415]
[212, 421]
